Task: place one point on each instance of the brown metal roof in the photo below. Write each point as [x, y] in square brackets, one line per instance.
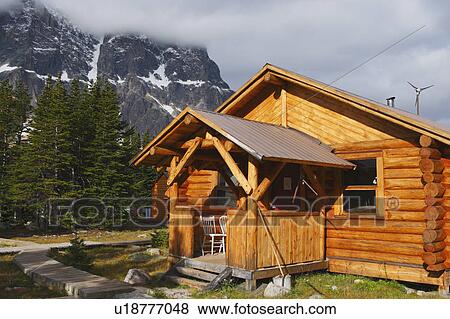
[271, 142]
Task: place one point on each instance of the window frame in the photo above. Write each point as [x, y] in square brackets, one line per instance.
[378, 188]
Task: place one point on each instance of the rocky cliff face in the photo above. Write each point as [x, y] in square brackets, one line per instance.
[154, 80]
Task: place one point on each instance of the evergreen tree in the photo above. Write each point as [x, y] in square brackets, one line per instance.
[45, 167]
[105, 170]
[14, 106]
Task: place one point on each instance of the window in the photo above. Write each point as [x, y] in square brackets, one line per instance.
[224, 195]
[362, 188]
[148, 212]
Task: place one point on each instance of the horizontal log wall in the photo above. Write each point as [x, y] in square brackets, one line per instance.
[198, 187]
[390, 247]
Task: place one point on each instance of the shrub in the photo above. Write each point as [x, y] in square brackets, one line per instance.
[160, 238]
[76, 255]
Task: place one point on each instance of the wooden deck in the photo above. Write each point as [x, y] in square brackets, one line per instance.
[217, 263]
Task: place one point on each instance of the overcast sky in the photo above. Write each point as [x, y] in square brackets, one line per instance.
[320, 39]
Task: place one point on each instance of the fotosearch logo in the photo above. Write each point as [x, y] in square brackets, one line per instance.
[149, 211]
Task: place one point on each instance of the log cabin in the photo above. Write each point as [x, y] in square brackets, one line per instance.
[311, 177]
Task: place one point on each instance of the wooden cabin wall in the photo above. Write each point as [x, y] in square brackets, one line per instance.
[396, 238]
[198, 187]
[333, 121]
[159, 198]
[447, 208]
[265, 107]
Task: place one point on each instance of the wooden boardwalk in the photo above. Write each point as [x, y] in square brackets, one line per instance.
[55, 275]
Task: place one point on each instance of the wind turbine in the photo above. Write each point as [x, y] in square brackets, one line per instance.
[418, 91]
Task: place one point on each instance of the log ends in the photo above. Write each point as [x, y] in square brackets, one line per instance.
[434, 236]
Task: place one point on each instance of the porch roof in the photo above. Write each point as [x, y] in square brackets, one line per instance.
[263, 141]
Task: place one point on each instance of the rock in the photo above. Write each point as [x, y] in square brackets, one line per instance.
[316, 296]
[283, 281]
[334, 288]
[410, 291]
[273, 290]
[153, 251]
[358, 281]
[259, 292]
[140, 257]
[137, 277]
[142, 236]
[134, 247]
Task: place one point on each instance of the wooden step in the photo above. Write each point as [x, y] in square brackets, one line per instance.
[185, 281]
[205, 266]
[195, 273]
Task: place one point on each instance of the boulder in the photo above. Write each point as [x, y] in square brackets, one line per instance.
[283, 281]
[273, 291]
[153, 251]
[137, 277]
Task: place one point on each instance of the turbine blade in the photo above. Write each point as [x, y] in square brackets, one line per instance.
[427, 87]
[412, 85]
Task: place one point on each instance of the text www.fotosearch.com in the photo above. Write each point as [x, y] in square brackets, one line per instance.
[230, 309]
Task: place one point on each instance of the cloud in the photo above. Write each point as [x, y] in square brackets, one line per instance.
[6, 4]
[320, 39]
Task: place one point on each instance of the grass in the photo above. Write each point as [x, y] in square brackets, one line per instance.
[114, 262]
[3, 245]
[328, 285]
[14, 284]
[90, 235]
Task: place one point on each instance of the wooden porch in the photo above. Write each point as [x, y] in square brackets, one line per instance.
[217, 263]
[287, 242]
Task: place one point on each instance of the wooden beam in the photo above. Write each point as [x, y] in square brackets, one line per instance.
[173, 198]
[208, 143]
[267, 181]
[315, 183]
[272, 79]
[187, 156]
[283, 108]
[189, 119]
[158, 150]
[234, 168]
[252, 216]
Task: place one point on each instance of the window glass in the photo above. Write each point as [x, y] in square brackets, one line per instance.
[360, 201]
[364, 174]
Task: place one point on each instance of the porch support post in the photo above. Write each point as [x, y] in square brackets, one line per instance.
[173, 197]
[252, 215]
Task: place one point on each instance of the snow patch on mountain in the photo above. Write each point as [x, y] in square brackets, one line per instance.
[157, 77]
[173, 111]
[93, 72]
[196, 83]
[7, 68]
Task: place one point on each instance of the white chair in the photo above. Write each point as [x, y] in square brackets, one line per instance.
[223, 227]
[210, 232]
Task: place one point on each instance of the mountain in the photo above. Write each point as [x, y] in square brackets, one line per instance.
[154, 80]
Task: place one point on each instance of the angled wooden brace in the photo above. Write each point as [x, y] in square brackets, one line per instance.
[234, 168]
[187, 156]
